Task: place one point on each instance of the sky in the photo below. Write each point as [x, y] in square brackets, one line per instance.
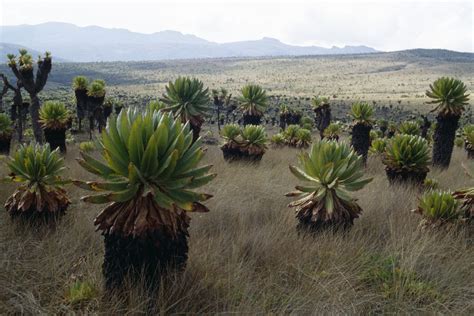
[386, 25]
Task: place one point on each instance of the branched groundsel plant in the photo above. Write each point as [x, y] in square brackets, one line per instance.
[40, 194]
[149, 169]
[407, 159]
[329, 171]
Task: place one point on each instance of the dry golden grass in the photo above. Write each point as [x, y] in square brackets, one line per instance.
[246, 256]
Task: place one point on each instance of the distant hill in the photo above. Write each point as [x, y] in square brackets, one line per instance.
[7, 48]
[93, 43]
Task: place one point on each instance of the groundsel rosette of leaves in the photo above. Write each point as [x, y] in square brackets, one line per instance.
[304, 137]
[409, 128]
[54, 115]
[333, 131]
[254, 139]
[231, 134]
[407, 152]
[38, 170]
[450, 96]
[438, 207]
[466, 197]
[330, 171]
[187, 99]
[150, 168]
[253, 100]
[362, 113]
[468, 134]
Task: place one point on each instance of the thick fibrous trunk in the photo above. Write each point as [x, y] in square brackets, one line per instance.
[22, 115]
[81, 105]
[34, 114]
[95, 112]
[469, 150]
[444, 140]
[56, 139]
[322, 119]
[425, 127]
[234, 154]
[196, 128]
[405, 177]
[252, 119]
[283, 121]
[293, 118]
[5, 142]
[107, 112]
[152, 255]
[361, 139]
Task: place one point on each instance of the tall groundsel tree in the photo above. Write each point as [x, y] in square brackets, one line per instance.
[55, 119]
[150, 168]
[330, 171]
[253, 103]
[187, 99]
[362, 115]
[23, 69]
[80, 85]
[450, 96]
[322, 109]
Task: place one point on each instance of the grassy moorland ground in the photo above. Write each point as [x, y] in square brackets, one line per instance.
[246, 257]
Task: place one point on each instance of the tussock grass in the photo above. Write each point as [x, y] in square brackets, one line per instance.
[246, 256]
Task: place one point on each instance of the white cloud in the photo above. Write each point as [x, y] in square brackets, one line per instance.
[386, 25]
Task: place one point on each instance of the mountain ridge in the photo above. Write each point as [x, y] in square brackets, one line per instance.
[95, 43]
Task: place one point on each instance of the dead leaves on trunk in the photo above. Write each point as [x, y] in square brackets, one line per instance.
[43, 200]
[142, 215]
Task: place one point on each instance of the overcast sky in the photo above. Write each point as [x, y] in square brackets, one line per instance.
[385, 25]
